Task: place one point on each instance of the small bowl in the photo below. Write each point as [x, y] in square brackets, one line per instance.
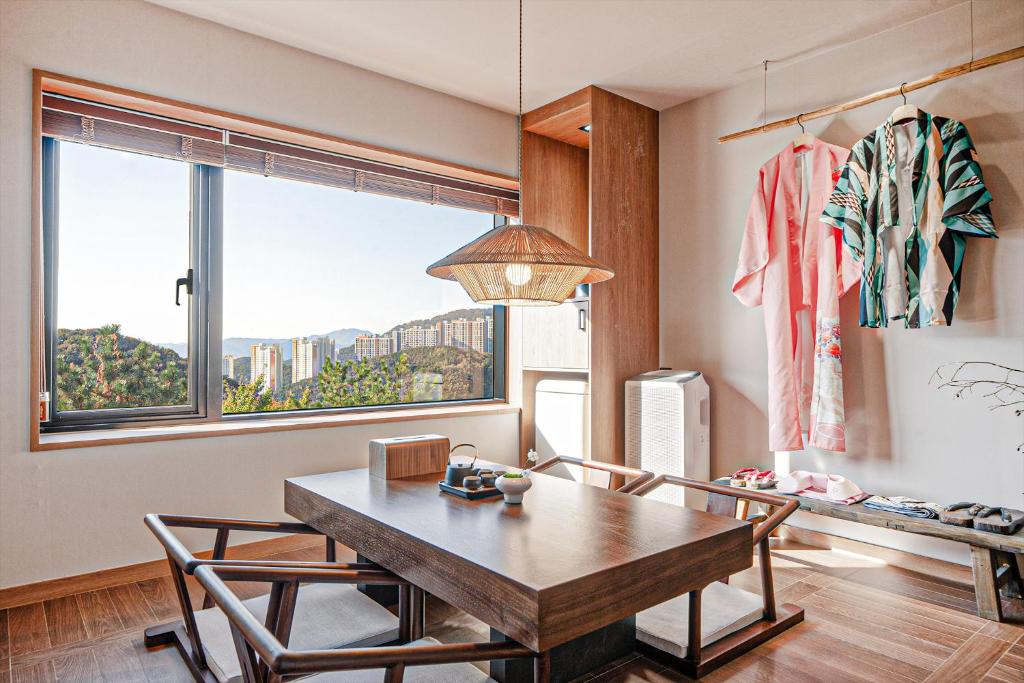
[488, 478]
[514, 488]
[499, 473]
[472, 483]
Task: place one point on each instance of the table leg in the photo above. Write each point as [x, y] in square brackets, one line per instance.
[986, 589]
[1012, 584]
[570, 660]
[384, 595]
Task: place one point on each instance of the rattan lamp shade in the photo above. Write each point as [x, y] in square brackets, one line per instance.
[520, 265]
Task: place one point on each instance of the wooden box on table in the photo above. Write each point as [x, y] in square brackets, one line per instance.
[408, 456]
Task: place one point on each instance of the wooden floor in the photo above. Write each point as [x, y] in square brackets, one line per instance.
[865, 621]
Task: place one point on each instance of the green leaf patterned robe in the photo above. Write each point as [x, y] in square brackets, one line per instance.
[906, 199]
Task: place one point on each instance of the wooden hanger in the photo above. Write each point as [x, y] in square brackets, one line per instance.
[904, 112]
[805, 139]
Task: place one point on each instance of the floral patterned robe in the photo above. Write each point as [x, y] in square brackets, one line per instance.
[795, 267]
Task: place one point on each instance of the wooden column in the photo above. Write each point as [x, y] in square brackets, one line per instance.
[623, 235]
[599, 191]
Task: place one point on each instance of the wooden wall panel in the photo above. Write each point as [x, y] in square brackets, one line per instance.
[554, 194]
[563, 118]
[623, 235]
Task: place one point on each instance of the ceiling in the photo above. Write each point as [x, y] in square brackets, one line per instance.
[658, 52]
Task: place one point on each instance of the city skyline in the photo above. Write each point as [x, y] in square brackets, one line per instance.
[461, 333]
[309, 354]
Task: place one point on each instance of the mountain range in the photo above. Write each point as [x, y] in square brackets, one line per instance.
[239, 346]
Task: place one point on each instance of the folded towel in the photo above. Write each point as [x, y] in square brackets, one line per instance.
[830, 487]
[902, 505]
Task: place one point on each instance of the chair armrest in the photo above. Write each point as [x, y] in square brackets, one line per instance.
[188, 562]
[301, 572]
[229, 523]
[638, 481]
[639, 476]
[292, 662]
[784, 507]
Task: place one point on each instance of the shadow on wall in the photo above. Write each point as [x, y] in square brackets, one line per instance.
[977, 296]
[865, 390]
[736, 422]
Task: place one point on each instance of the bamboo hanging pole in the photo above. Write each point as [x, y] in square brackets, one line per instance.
[945, 75]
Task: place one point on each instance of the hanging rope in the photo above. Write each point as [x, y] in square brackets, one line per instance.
[971, 67]
[519, 121]
[764, 107]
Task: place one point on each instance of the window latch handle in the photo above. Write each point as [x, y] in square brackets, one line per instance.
[187, 281]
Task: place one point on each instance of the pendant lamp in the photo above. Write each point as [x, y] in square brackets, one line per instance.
[520, 265]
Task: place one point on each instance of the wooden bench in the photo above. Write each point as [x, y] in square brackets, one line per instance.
[997, 560]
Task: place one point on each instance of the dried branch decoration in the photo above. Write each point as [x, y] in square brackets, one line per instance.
[1003, 385]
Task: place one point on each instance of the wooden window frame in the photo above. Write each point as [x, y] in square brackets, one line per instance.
[69, 86]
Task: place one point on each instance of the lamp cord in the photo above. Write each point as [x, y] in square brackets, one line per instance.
[519, 120]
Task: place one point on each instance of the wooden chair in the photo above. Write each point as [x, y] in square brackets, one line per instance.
[265, 655]
[699, 632]
[331, 615]
[556, 466]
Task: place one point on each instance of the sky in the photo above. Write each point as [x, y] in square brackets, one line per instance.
[299, 259]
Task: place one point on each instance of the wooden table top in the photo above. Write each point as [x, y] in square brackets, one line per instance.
[569, 560]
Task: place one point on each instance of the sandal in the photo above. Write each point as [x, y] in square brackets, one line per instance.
[960, 514]
[1008, 521]
[739, 478]
[762, 480]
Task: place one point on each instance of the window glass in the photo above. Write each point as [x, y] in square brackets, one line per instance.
[327, 303]
[123, 234]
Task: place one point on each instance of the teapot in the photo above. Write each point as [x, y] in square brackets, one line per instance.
[454, 473]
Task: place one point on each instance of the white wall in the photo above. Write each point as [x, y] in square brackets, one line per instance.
[904, 436]
[68, 512]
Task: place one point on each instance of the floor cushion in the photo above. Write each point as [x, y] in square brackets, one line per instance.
[724, 609]
[327, 616]
[431, 673]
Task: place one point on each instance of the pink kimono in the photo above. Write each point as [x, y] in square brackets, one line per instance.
[795, 266]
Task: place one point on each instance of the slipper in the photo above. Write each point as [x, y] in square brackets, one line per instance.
[762, 480]
[739, 477]
[1008, 521]
[960, 514]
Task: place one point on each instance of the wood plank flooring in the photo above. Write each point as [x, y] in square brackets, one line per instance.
[865, 621]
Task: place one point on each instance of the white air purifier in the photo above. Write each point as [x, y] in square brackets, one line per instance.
[668, 419]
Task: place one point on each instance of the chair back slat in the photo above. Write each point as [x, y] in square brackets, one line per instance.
[721, 504]
[252, 672]
[189, 617]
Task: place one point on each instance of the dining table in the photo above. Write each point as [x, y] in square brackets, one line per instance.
[564, 573]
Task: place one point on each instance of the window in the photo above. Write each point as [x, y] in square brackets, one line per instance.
[327, 303]
[121, 234]
[194, 273]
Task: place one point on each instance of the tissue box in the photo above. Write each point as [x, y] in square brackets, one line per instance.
[409, 456]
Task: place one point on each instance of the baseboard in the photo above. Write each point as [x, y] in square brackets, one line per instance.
[897, 558]
[106, 578]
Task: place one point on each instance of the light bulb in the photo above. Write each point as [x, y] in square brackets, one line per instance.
[518, 273]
